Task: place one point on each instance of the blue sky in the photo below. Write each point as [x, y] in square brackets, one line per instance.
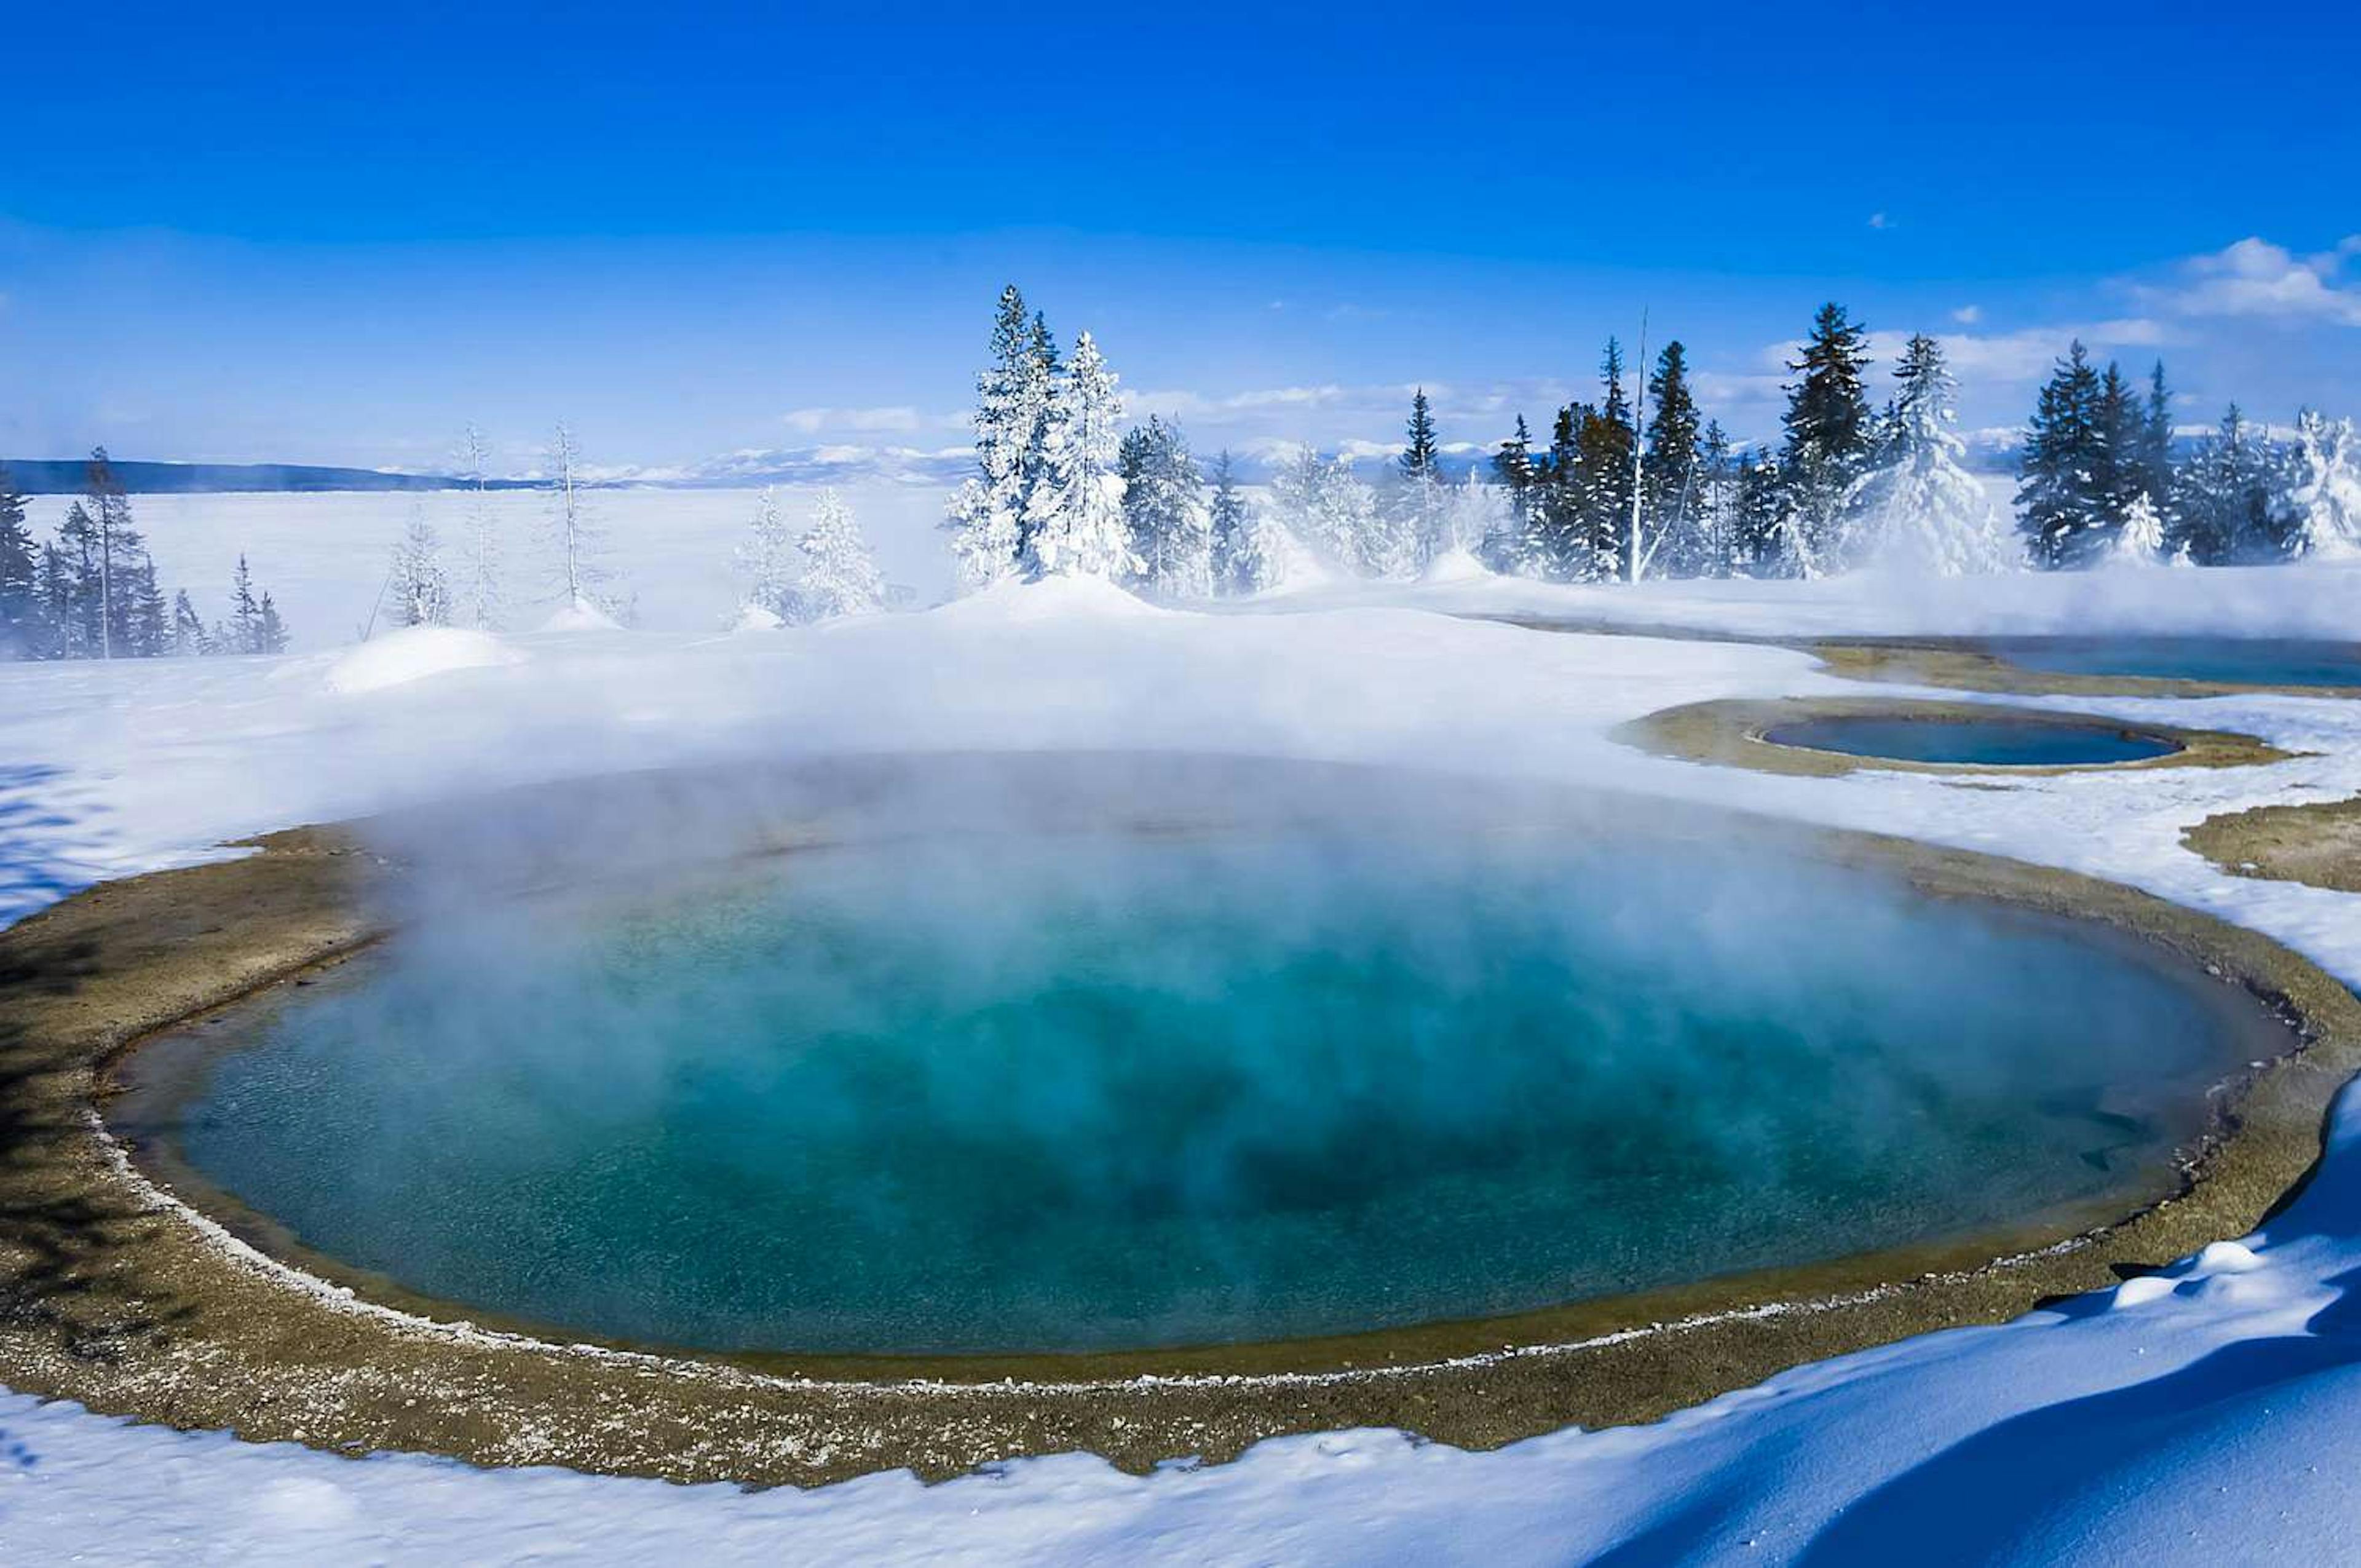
[692, 231]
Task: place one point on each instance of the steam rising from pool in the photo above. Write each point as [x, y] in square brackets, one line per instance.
[1031, 1077]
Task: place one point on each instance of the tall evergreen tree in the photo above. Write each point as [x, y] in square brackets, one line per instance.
[1606, 441]
[1669, 474]
[986, 516]
[245, 628]
[269, 631]
[2156, 439]
[2061, 505]
[2325, 492]
[767, 566]
[1919, 509]
[1238, 563]
[1513, 549]
[1421, 507]
[20, 570]
[1761, 515]
[1074, 523]
[1829, 436]
[1164, 508]
[2225, 507]
[188, 635]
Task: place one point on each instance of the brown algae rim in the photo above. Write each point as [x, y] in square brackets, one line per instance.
[1971, 663]
[1734, 731]
[141, 1306]
[2317, 843]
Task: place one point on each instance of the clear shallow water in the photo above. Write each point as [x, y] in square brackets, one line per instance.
[1991, 743]
[1098, 1091]
[2235, 660]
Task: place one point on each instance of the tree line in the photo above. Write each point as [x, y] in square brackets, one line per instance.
[91, 592]
[1638, 482]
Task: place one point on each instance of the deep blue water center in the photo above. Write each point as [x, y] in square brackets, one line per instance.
[1036, 1091]
[2231, 661]
[1987, 742]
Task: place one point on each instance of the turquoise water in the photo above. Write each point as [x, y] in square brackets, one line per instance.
[1989, 742]
[2233, 660]
[1091, 1091]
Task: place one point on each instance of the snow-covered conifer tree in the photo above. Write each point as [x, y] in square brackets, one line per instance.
[2140, 541]
[986, 516]
[1164, 507]
[840, 574]
[1074, 523]
[767, 563]
[2325, 492]
[420, 589]
[1921, 510]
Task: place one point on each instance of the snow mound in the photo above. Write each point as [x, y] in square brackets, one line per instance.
[1455, 566]
[581, 616]
[1051, 599]
[754, 618]
[413, 653]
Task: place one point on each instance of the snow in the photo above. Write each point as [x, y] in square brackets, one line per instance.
[414, 653]
[581, 615]
[2206, 1414]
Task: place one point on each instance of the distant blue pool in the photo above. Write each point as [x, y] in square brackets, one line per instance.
[1999, 742]
[2231, 661]
[1101, 1090]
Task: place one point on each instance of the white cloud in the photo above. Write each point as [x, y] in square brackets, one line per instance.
[2254, 278]
[1880, 221]
[1968, 315]
[898, 417]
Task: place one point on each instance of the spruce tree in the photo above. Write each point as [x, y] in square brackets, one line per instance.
[1670, 470]
[1511, 549]
[244, 633]
[1561, 548]
[189, 636]
[1761, 516]
[1420, 503]
[1919, 509]
[1164, 508]
[2062, 508]
[2156, 439]
[1237, 564]
[20, 570]
[767, 565]
[2324, 489]
[1829, 435]
[269, 631]
[1074, 523]
[1605, 441]
[986, 516]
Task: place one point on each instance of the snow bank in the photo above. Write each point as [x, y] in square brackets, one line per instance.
[581, 616]
[1455, 566]
[414, 653]
[1053, 598]
[754, 618]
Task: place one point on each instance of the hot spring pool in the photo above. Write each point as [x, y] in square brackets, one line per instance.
[1029, 1092]
[1997, 741]
[2231, 661]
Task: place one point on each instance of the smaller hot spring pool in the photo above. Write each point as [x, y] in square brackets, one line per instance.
[1115, 1087]
[2229, 661]
[1998, 742]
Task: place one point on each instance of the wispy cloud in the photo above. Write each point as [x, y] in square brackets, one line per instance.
[899, 418]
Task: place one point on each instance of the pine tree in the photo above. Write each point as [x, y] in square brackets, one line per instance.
[1761, 515]
[1164, 511]
[244, 633]
[1511, 549]
[986, 516]
[2324, 497]
[1669, 471]
[190, 638]
[1419, 502]
[767, 565]
[1074, 523]
[2156, 439]
[1712, 541]
[421, 589]
[269, 631]
[840, 573]
[1561, 546]
[1603, 476]
[2062, 508]
[1829, 438]
[2140, 541]
[1238, 563]
[109, 515]
[21, 629]
[2116, 478]
[1920, 510]
[480, 596]
[2223, 510]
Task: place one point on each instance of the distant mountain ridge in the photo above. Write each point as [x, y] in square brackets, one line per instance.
[63, 476]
